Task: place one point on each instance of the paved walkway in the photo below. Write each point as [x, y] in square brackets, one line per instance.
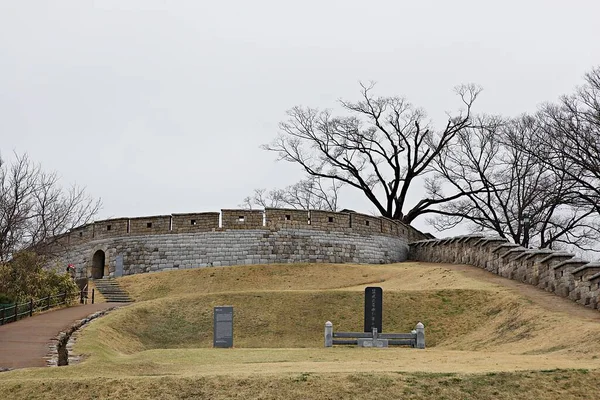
[25, 343]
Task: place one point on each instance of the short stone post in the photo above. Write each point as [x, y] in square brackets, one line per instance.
[420, 328]
[328, 334]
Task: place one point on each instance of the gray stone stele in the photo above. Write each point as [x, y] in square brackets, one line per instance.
[223, 327]
[118, 265]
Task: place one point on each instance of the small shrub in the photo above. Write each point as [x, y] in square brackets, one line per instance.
[26, 277]
[6, 299]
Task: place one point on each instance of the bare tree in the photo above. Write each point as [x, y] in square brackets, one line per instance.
[572, 132]
[380, 148]
[34, 208]
[522, 200]
[312, 193]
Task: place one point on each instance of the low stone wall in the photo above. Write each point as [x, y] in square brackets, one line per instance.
[557, 272]
[151, 253]
[59, 355]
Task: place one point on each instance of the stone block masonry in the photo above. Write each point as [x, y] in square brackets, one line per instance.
[192, 240]
[560, 273]
[150, 225]
[242, 219]
[195, 222]
[154, 253]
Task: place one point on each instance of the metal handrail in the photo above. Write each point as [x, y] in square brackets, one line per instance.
[19, 310]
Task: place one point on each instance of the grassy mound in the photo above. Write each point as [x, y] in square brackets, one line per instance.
[285, 306]
[252, 278]
[289, 319]
[487, 338]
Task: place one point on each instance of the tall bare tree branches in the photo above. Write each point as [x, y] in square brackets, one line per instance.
[571, 129]
[379, 148]
[312, 193]
[522, 200]
[34, 208]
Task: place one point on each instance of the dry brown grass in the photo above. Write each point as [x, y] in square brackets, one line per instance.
[530, 385]
[463, 308]
[286, 319]
[485, 335]
[251, 278]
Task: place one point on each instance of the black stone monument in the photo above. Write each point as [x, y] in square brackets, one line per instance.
[373, 308]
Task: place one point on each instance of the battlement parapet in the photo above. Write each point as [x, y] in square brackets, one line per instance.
[228, 219]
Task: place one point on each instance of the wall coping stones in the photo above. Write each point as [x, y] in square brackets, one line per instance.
[505, 246]
[243, 209]
[594, 277]
[557, 255]
[581, 270]
[485, 241]
[525, 255]
[466, 238]
[513, 251]
[150, 217]
[571, 262]
[539, 252]
[292, 209]
[192, 213]
[111, 220]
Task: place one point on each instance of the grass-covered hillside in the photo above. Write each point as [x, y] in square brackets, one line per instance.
[486, 338]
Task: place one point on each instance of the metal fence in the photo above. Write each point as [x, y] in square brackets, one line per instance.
[17, 311]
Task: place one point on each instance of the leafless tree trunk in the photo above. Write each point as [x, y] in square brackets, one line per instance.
[34, 208]
[379, 148]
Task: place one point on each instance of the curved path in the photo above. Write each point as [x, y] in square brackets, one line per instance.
[25, 343]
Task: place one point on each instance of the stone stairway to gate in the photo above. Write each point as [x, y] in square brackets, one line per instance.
[112, 292]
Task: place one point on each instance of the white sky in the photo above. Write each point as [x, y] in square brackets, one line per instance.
[160, 106]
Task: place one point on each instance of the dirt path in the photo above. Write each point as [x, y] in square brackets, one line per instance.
[420, 275]
[542, 298]
[25, 343]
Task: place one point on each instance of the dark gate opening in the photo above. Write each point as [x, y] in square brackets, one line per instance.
[98, 265]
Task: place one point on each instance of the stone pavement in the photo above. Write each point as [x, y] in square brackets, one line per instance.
[25, 343]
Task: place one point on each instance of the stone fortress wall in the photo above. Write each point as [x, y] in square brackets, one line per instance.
[558, 272]
[232, 237]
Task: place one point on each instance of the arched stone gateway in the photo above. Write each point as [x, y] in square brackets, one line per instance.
[98, 262]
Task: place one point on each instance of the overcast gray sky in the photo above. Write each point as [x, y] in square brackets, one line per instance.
[160, 106]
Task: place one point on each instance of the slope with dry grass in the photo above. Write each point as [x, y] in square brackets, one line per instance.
[484, 335]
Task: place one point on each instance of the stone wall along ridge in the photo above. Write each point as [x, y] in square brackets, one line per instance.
[554, 271]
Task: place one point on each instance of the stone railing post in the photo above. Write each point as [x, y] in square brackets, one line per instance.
[420, 328]
[328, 334]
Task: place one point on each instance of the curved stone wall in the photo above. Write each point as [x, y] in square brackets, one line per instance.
[557, 272]
[233, 237]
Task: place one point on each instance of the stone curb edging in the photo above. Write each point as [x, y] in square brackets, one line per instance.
[58, 354]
